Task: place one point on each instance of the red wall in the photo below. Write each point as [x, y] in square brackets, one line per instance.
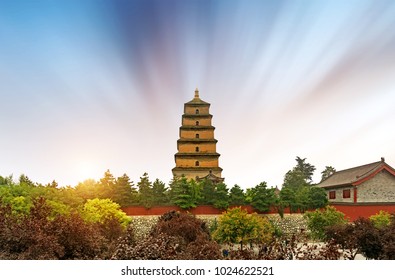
[159, 210]
[352, 211]
[355, 211]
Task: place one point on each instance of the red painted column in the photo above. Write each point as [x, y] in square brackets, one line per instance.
[355, 195]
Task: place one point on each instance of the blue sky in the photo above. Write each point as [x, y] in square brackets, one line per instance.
[87, 86]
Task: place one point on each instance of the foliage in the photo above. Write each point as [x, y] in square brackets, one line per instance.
[300, 176]
[221, 196]
[185, 194]
[319, 220]
[317, 198]
[145, 191]
[381, 219]
[236, 196]
[176, 236]
[159, 193]
[125, 194]
[34, 236]
[207, 193]
[102, 211]
[263, 198]
[328, 171]
[237, 226]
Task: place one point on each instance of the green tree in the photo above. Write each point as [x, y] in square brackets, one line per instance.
[145, 191]
[328, 171]
[185, 193]
[107, 186]
[159, 193]
[103, 210]
[263, 197]
[288, 198]
[381, 219]
[238, 227]
[88, 189]
[236, 196]
[320, 220]
[124, 192]
[221, 200]
[300, 175]
[317, 198]
[207, 196]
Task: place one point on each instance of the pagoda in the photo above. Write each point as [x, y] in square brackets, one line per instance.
[197, 157]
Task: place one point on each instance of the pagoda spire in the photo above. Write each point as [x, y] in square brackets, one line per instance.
[196, 93]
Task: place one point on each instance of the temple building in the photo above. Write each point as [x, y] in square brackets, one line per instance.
[197, 157]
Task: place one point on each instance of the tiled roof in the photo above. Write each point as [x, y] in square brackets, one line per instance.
[352, 175]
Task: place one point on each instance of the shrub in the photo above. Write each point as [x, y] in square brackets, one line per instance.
[175, 236]
[319, 220]
[237, 226]
[381, 219]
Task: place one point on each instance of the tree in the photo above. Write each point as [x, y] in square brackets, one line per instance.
[238, 227]
[159, 191]
[288, 198]
[88, 189]
[207, 196]
[300, 175]
[381, 219]
[236, 196]
[319, 220]
[107, 186]
[263, 198]
[221, 200]
[306, 168]
[317, 198]
[124, 192]
[185, 194]
[145, 191]
[328, 171]
[103, 210]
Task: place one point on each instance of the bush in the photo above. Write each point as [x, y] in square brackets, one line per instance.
[319, 220]
[175, 236]
[238, 227]
[381, 219]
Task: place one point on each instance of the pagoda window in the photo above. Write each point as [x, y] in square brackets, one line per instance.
[197, 135]
[197, 111]
[197, 123]
[332, 195]
[197, 149]
[196, 163]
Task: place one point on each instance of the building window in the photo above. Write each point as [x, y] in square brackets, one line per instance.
[197, 111]
[332, 195]
[196, 163]
[197, 149]
[197, 123]
[347, 193]
[197, 135]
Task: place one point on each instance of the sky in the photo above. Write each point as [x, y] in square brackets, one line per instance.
[91, 85]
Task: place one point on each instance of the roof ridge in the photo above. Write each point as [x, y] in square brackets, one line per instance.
[377, 163]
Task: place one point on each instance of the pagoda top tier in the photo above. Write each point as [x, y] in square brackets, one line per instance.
[196, 99]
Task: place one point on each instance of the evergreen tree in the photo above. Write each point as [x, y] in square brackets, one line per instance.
[328, 171]
[263, 198]
[221, 200]
[145, 191]
[236, 196]
[125, 193]
[185, 194]
[159, 193]
[207, 192]
[107, 186]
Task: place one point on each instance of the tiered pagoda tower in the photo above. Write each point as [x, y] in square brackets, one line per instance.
[197, 157]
